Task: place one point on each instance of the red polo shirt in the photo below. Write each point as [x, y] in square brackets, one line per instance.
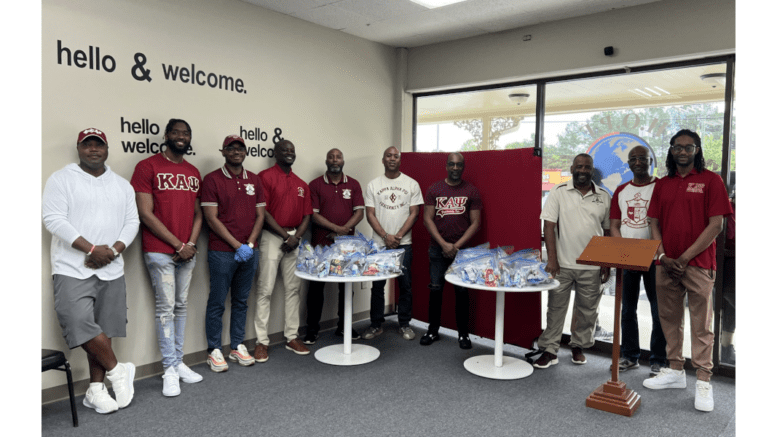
[237, 197]
[288, 197]
[336, 202]
[683, 207]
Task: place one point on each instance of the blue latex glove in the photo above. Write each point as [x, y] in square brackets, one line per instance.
[243, 253]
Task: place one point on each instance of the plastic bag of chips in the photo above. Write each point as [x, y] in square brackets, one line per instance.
[383, 263]
[306, 259]
[481, 270]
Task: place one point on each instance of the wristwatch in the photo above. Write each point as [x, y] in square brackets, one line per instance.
[116, 253]
[251, 245]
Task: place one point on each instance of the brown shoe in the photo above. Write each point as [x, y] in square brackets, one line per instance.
[577, 356]
[297, 347]
[260, 353]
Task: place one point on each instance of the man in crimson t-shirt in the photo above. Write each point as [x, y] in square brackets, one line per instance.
[452, 216]
[686, 214]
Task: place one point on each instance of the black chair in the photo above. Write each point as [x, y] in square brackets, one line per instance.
[56, 360]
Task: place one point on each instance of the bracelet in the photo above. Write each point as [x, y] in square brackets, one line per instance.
[116, 253]
[91, 250]
[384, 236]
[661, 256]
[181, 248]
[192, 244]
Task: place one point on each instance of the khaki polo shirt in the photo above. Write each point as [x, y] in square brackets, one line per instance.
[578, 218]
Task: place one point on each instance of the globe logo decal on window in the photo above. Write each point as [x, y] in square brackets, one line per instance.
[611, 159]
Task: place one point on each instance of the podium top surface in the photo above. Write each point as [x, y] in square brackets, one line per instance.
[622, 253]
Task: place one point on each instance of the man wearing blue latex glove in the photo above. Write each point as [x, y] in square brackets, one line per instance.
[233, 204]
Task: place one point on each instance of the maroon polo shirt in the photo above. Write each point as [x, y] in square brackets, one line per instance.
[288, 196]
[237, 197]
[336, 202]
[683, 207]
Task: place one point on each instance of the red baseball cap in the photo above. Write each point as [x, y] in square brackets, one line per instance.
[231, 139]
[91, 132]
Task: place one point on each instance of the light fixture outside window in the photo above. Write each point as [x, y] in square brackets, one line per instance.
[431, 4]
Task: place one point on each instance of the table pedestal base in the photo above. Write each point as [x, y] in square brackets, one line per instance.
[485, 366]
[335, 355]
[614, 397]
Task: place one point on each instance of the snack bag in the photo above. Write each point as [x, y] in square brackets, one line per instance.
[384, 262]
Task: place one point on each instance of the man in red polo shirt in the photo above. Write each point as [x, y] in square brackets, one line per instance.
[686, 214]
[233, 204]
[287, 217]
[338, 207]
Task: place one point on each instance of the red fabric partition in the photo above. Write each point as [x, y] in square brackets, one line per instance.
[510, 184]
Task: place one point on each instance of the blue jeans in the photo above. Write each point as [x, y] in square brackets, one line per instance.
[170, 281]
[405, 303]
[437, 266]
[629, 326]
[226, 274]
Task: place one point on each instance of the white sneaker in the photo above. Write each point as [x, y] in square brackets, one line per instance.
[666, 378]
[241, 356]
[122, 383]
[100, 400]
[704, 401]
[187, 375]
[407, 332]
[171, 386]
[216, 361]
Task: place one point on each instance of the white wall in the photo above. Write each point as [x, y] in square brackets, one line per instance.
[323, 88]
[647, 34]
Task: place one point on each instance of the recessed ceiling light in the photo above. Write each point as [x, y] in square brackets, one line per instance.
[653, 91]
[662, 90]
[431, 4]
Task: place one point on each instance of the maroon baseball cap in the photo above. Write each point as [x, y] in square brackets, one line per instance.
[91, 132]
[231, 139]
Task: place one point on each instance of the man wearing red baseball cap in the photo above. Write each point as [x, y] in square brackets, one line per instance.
[233, 204]
[91, 214]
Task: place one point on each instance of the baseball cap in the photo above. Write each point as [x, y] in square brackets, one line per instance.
[231, 139]
[91, 132]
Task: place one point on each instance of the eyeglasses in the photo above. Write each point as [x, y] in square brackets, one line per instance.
[677, 148]
[231, 149]
[638, 158]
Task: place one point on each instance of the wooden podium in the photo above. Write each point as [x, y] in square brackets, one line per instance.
[621, 253]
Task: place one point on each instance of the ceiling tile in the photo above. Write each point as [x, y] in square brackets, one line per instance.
[333, 17]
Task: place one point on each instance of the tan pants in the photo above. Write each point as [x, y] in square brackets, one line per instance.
[271, 260]
[697, 284]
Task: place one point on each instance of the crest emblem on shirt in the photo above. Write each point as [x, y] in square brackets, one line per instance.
[450, 205]
[346, 193]
[637, 211]
[695, 187]
[300, 192]
[250, 189]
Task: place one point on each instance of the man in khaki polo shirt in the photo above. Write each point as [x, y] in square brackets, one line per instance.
[575, 211]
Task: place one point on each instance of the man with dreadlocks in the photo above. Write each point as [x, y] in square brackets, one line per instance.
[686, 214]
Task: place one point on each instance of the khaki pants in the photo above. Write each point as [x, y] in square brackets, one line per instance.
[587, 285]
[271, 260]
[697, 283]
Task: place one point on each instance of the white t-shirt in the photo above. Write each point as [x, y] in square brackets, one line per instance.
[630, 204]
[392, 199]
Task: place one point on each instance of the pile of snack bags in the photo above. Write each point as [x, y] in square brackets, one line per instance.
[500, 267]
[350, 255]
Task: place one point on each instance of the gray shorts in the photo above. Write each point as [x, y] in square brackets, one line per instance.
[88, 307]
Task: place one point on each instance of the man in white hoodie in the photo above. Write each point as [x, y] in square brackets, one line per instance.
[91, 214]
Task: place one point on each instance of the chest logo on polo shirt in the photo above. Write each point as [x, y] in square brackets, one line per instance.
[346, 193]
[300, 192]
[695, 187]
[250, 189]
[450, 206]
[637, 212]
[598, 199]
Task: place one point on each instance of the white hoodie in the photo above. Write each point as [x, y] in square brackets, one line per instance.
[100, 209]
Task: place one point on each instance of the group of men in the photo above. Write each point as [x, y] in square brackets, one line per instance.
[685, 211]
[256, 221]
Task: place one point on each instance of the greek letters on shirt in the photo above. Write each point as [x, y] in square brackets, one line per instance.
[695, 187]
[450, 205]
[393, 198]
[180, 182]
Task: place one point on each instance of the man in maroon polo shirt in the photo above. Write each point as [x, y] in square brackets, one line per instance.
[233, 204]
[287, 217]
[338, 207]
[686, 214]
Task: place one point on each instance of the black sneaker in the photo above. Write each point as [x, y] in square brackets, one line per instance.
[310, 338]
[546, 360]
[354, 335]
[429, 338]
[464, 342]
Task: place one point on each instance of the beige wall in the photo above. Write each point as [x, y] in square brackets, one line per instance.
[647, 34]
[322, 87]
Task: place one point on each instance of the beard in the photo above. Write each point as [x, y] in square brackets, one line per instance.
[170, 145]
[335, 169]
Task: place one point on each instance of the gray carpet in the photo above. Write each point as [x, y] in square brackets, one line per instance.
[409, 390]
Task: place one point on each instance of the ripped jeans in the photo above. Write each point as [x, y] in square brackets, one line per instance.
[170, 281]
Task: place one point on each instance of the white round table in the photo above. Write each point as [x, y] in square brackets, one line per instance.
[348, 354]
[496, 366]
